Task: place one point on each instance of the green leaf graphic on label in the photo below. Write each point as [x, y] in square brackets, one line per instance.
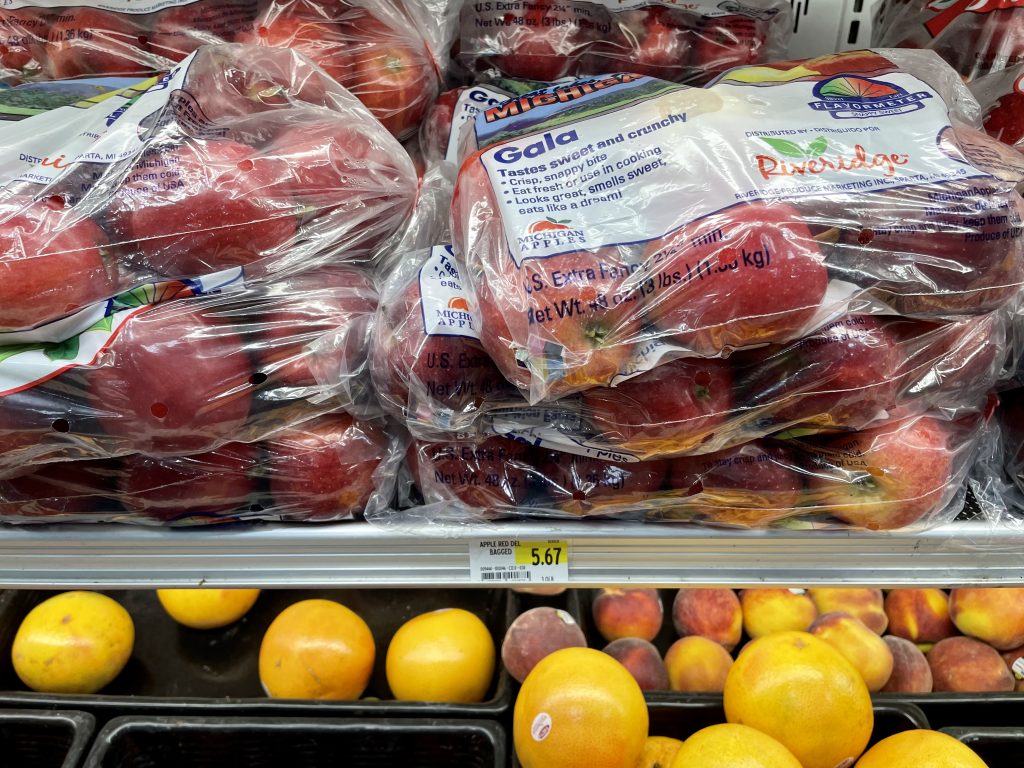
[817, 147]
[64, 350]
[15, 349]
[784, 147]
[105, 323]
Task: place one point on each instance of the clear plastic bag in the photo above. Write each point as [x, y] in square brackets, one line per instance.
[1001, 96]
[333, 467]
[616, 224]
[192, 373]
[242, 158]
[544, 40]
[976, 38]
[371, 48]
[906, 473]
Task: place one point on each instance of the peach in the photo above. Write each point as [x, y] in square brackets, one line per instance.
[994, 615]
[910, 670]
[642, 660]
[711, 613]
[919, 615]
[767, 611]
[697, 665]
[866, 651]
[868, 605]
[535, 634]
[628, 613]
[964, 665]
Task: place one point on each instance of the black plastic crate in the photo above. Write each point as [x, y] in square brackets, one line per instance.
[967, 710]
[167, 742]
[998, 747]
[43, 739]
[174, 669]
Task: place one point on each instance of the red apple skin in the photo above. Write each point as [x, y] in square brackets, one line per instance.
[50, 263]
[751, 485]
[583, 485]
[178, 31]
[652, 41]
[727, 42]
[1001, 34]
[669, 409]
[544, 45]
[437, 124]
[206, 484]
[215, 217]
[496, 338]
[23, 35]
[884, 478]
[318, 39]
[171, 382]
[841, 376]
[710, 305]
[338, 299]
[1004, 120]
[55, 491]
[324, 469]
[87, 42]
[491, 476]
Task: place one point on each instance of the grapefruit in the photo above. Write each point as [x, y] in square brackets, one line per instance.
[733, 746]
[207, 608]
[580, 708]
[920, 749]
[803, 693]
[659, 751]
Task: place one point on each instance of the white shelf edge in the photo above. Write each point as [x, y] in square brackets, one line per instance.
[357, 554]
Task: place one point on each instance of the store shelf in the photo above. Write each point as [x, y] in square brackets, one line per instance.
[601, 553]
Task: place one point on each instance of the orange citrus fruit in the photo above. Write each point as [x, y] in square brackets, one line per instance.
[803, 693]
[733, 746]
[317, 649]
[75, 642]
[580, 708]
[659, 752]
[446, 655]
[207, 608]
[920, 749]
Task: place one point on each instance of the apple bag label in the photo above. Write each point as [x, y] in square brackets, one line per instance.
[449, 308]
[520, 562]
[470, 104]
[128, 6]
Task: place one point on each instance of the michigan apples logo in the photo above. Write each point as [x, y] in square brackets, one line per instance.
[548, 225]
[849, 97]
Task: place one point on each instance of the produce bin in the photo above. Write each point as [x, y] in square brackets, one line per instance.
[37, 739]
[966, 710]
[181, 670]
[208, 742]
[998, 747]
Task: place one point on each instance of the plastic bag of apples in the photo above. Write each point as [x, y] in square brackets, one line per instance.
[372, 48]
[692, 43]
[185, 367]
[1001, 95]
[241, 158]
[904, 473]
[432, 372]
[616, 224]
[975, 36]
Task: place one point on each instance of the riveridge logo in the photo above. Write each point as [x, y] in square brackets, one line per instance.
[848, 97]
[559, 95]
[770, 166]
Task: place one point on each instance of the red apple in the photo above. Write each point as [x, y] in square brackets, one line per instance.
[211, 213]
[52, 262]
[325, 469]
[88, 42]
[670, 409]
[172, 381]
[492, 476]
[391, 74]
[56, 491]
[316, 38]
[205, 484]
[884, 478]
[541, 44]
[337, 300]
[179, 30]
[726, 42]
[1001, 40]
[748, 275]
[496, 338]
[437, 124]
[751, 485]
[23, 35]
[651, 41]
[1004, 119]
[583, 485]
[843, 375]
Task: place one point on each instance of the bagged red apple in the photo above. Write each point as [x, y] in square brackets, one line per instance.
[904, 473]
[1001, 95]
[616, 224]
[185, 367]
[975, 37]
[689, 43]
[333, 467]
[239, 159]
[372, 49]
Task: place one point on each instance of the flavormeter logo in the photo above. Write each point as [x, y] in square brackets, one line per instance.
[847, 97]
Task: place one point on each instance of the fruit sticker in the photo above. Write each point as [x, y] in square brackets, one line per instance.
[540, 729]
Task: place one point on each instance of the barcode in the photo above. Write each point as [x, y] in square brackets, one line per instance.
[505, 576]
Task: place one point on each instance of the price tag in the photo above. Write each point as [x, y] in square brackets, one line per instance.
[516, 561]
